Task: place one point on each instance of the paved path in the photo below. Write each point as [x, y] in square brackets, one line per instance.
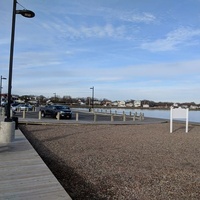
[24, 175]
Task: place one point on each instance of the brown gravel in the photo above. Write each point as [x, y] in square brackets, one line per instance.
[128, 162]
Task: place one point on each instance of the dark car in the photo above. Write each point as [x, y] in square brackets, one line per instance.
[54, 110]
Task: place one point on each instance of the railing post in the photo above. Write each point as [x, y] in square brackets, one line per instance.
[133, 117]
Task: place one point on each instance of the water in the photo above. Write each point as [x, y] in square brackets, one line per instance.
[194, 116]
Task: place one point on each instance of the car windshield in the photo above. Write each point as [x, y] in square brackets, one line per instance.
[61, 107]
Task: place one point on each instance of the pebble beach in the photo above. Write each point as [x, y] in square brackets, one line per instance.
[140, 162]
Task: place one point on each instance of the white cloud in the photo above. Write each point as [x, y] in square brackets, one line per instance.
[138, 18]
[180, 36]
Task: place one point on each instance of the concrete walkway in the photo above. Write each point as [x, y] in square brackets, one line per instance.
[24, 175]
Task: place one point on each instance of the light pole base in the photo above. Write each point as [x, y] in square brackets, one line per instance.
[7, 132]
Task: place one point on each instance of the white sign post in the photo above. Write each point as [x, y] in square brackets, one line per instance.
[178, 113]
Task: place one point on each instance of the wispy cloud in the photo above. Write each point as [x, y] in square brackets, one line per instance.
[143, 17]
[179, 37]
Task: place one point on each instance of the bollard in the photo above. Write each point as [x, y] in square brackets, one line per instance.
[76, 116]
[95, 117]
[24, 114]
[134, 117]
[124, 117]
[111, 117]
[40, 115]
[58, 116]
[136, 114]
[140, 117]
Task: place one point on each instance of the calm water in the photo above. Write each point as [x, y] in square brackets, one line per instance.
[194, 116]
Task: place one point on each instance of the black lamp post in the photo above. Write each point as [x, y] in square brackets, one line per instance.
[2, 78]
[54, 97]
[25, 13]
[92, 88]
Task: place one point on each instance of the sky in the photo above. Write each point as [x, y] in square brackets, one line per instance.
[125, 49]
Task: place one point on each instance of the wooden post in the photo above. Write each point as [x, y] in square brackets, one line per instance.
[142, 116]
[95, 117]
[24, 114]
[133, 117]
[76, 116]
[111, 117]
[40, 114]
[124, 117]
[58, 116]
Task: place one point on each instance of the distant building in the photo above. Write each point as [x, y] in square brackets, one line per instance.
[121, 104]
[145, 106]
[129, 104]
[137, 103]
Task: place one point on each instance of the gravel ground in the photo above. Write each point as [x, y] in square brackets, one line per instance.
[128, 162]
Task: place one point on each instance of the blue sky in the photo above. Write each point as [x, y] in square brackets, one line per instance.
[126, 49]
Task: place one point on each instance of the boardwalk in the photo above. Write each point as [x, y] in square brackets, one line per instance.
[23, 174]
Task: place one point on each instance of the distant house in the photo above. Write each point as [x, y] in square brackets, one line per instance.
[115, 103]
[121, 104]
[193, 107]
[175, 105]
[129, 104]
[137, 103]
[145, 106]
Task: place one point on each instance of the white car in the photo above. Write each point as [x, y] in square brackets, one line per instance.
[21, 107]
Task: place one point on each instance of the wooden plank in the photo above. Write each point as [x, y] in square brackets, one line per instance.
[24, 175]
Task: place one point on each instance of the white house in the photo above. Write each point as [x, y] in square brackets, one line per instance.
[121, 104]
[137, 103]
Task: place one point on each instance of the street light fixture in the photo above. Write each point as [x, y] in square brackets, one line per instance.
[92, 88]
[24, 13]
[2, 78]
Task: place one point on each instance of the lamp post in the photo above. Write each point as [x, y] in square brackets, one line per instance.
[54, 97]
[92, 88]
[2, 78]
[24, 13]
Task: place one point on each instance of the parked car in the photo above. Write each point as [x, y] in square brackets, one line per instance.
[22, 107]
[53, 110]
